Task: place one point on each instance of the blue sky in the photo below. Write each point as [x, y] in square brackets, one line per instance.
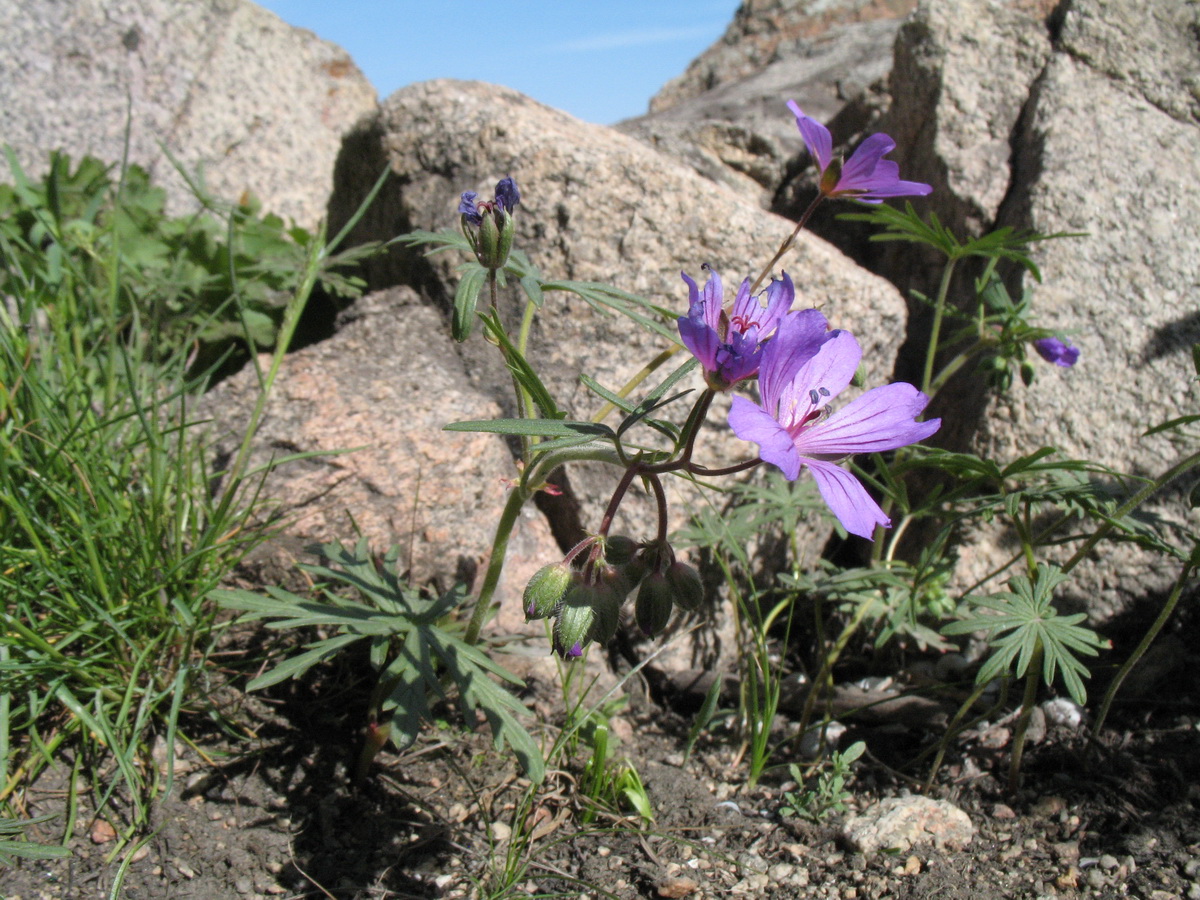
[600, 61]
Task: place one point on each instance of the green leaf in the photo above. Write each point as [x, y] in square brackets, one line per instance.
[536, 428]
[414, 645]
[466, 297]
[607, 299]
[1022, 622]
[520, 368]
[301, 663]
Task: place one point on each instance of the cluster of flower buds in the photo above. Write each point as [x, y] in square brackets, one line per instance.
[586, 601]
[488, 224]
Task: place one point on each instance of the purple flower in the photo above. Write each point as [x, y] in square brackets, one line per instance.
[802, 370]
[1058, 352]
[729, 344]
[506, 199]
[488, 224]
[866, 175]
[468, 209]
[507, 195]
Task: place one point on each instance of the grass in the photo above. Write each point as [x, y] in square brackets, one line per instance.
[111, 530]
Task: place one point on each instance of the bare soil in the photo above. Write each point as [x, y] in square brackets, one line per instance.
[273, 814]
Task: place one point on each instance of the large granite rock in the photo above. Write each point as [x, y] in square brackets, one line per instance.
[222, 84]
[1091, 125]
[376, 390]
[596, 205]
[764, 32]
[726, 115]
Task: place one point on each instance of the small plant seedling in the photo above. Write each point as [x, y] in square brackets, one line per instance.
[827, 793]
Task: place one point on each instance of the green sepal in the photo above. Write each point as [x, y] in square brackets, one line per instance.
[546, 590]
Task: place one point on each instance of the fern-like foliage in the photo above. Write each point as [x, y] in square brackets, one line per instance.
[1023, 621]
[415, 645]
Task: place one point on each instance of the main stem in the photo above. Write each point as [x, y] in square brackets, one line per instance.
[935, 330]
[787, 245]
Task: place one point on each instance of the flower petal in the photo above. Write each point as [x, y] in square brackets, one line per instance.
[881, 419]
[1056, 351]
[820, 379]
[799, 337]
[700, 339]
[816, 136]
[864, 162]
[751, 423]
[849, 500]
[507, 195]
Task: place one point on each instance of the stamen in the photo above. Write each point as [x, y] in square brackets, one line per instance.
[814, 397]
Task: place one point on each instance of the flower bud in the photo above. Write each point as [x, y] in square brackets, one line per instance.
[619, 549]
[488, 224]
[655, 599]
[607, 607]
[545, 590]
[686, 584]
[632, 573]
[1027, 373]
[489, 249]
[576, 617]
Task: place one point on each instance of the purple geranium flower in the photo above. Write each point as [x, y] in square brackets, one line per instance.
[803, 368]
[729, 344]
[866, 176]
[1058, 352]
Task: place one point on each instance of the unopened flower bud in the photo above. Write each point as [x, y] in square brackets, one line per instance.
[632, 573]
[1027, 373]
[655, 599]
[607, 607]
[576, 617]
[620, 580]
[488, 240]
[488, 224]
[686, 584]
[546, 590]
[619, 549]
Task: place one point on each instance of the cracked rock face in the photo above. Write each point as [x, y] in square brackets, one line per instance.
[1088, 123]
[222, 84]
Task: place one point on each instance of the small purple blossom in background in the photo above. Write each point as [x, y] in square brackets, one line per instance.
[729, 344]
[866, 175]
[1058, 352]
[802, 370]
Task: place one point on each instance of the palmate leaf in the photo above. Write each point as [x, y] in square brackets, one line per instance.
[1022, 622]
[415, 645]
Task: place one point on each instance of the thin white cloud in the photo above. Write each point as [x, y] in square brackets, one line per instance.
[640, 38]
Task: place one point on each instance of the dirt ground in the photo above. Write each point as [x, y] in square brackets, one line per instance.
[274, 814]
